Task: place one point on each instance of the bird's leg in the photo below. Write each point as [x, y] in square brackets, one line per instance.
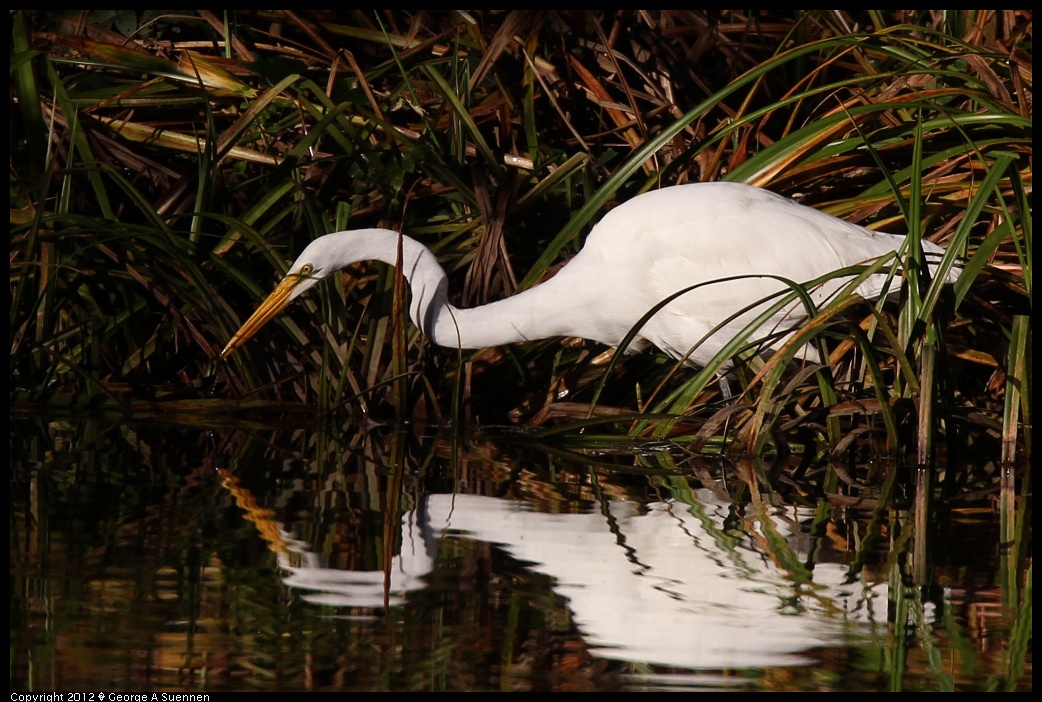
[727, 395]
[725, 387]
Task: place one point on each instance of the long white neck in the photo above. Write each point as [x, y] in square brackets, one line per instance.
[533, 314]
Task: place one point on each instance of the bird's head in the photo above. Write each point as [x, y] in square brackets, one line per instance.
[305, 272]
[322, 257]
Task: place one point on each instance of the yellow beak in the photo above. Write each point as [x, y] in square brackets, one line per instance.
[272, 305]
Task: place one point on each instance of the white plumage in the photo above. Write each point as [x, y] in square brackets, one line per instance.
[639, 254]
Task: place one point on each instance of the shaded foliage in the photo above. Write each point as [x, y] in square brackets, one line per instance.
[164, 167]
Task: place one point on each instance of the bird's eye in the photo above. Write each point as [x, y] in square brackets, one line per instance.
[306, 270]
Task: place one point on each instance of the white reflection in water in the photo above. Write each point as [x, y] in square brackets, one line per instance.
[662, 583]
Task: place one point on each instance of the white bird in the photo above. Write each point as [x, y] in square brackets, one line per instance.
[640, 253]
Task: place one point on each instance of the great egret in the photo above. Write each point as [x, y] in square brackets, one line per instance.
[640, 253]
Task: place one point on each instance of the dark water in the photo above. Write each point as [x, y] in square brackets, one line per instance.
[202, 556]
